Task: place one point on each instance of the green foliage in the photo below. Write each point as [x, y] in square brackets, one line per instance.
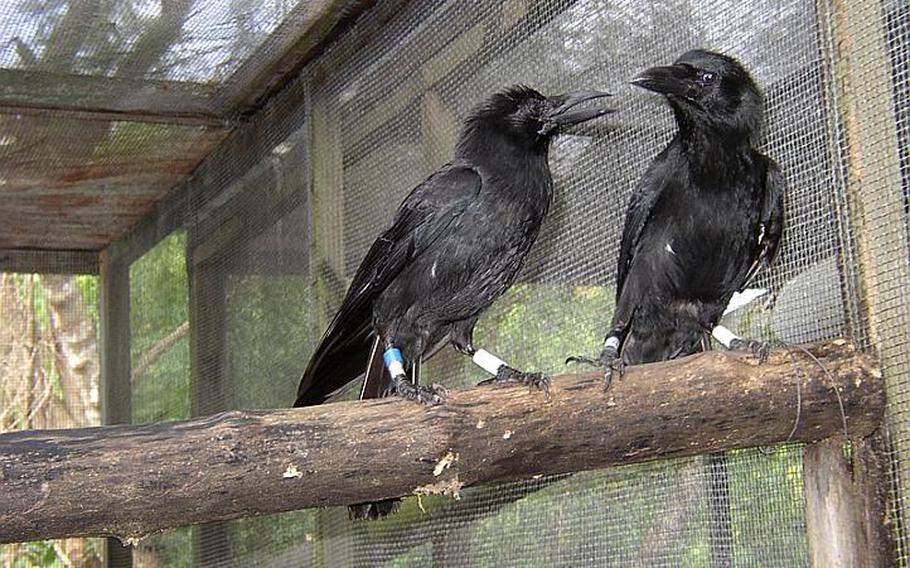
[40, 554]
[158, 306]
[274, 533]
[533, 327]
[174, 547]
[89, 286]
[268, 338]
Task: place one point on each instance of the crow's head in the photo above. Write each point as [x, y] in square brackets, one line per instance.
[527, 118]
[710, 89]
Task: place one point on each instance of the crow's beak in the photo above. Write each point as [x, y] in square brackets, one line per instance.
[565, 114]
[669, 80]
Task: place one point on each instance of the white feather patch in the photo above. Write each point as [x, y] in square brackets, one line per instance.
[744, 298]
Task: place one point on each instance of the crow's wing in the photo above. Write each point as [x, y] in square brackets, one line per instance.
[421, 220]
[771, 222]
[645, 195]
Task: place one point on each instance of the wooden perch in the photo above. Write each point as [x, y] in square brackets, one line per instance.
[129, 481]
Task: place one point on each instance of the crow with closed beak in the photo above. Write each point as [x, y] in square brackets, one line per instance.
[706, 216]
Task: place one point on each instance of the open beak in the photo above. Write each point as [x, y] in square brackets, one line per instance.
[669, 80]
[566, 114]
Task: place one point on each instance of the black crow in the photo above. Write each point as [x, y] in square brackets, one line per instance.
[456, 244]
[707, 214]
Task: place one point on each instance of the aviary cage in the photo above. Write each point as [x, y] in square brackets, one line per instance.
[224, 166]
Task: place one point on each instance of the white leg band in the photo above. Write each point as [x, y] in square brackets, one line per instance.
[724, 335]
[396, 369]
[487, 361]
[613, 342]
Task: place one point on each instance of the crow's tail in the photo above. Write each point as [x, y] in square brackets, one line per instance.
[341, 358]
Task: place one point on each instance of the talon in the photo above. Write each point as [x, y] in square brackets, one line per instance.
[590, 361]
[507, 374]
[759, 349]
[432, 395]
[608, 359]
[616, 365]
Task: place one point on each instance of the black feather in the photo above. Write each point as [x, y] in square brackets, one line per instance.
[706, 215]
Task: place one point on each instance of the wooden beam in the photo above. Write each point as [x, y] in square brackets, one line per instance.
[133, 480]
[118, 116]
[49, 261]
[116, 390]
[65, 91]
[116, 364]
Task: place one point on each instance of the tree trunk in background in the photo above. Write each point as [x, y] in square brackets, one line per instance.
[29, 397]
[12, 354]
[75, 341]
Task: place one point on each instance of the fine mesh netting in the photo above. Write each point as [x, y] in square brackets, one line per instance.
[269, 261]
[249, 257]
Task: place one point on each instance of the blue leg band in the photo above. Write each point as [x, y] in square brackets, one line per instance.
[392, 354]
[394, 362]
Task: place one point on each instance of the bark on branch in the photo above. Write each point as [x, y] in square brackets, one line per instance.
[129, 481]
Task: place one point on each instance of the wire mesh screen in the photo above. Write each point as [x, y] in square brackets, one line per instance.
[394, 111]
[49, 379]
[878, 178]
[267, 263]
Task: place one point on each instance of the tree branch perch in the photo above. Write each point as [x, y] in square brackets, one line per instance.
[129, 481]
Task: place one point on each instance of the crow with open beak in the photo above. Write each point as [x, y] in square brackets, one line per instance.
[706, 216]
[456, 244]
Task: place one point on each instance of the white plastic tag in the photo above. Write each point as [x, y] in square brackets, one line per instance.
[487, 361]
[724, 335]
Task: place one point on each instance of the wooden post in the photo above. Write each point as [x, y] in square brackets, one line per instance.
[866, 133]
[209, 388]
[845, 504]
[327, 266]
[116, 389]
[133, 480]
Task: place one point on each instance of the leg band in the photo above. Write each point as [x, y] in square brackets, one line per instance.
[723, 335]
[394, 362]
[487, 361]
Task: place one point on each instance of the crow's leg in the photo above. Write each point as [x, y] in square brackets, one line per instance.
[462, 340]
[503, 373]
[403, 387]
[610, 359]
[760, 349]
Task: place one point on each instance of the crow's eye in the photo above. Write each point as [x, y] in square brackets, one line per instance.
[707, 77]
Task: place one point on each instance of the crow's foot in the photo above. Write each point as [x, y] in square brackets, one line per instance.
[432, 395]
[759, 349]
[608, 359]
[507, 374]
